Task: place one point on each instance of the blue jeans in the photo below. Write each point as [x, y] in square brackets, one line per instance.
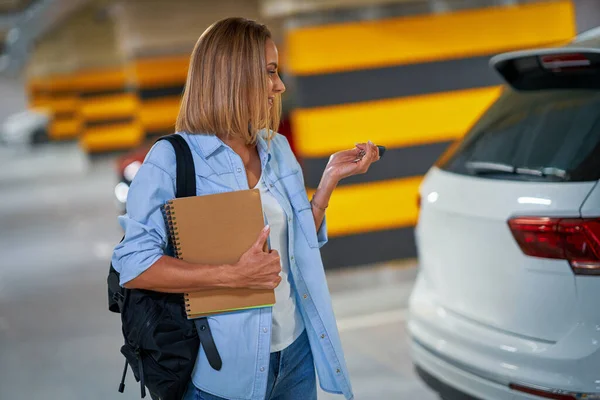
[291, 375]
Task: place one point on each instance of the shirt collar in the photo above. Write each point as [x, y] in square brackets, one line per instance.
[264, 149]
[209, 144]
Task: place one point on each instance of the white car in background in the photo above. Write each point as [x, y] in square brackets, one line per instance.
[507, 300]
[25, 128]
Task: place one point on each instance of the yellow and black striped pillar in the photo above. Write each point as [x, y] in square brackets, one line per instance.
[159, 84]
[412, 83]
[37, 92]
[64, 106]
[109, 110]
[56, 95]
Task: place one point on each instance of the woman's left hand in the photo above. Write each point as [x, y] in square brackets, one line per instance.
[342, 164]
[346, 163]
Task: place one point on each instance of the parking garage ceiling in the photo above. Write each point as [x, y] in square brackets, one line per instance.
[23, 21]
[12, 6]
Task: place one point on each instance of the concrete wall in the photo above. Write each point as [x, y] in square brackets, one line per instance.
[85, 41]
[157, 27]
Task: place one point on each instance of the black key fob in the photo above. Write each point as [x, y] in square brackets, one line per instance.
[381, 150]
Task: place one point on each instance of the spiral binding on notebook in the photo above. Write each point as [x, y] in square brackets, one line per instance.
[169, 211]
[173, 230]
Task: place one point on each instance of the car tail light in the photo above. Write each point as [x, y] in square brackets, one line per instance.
[543, 393]
[576, 240]
[564, 61]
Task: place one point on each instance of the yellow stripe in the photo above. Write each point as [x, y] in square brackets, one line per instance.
[399, 122]
[101, 79]
[159, 114]
[65, 104]
[369, 44]
[122, 105]
[40, 101]
[64, 129]
[37, 92]
[374, 206]
[61, 83]
[112, 137]
[160, 71]
[37, 84]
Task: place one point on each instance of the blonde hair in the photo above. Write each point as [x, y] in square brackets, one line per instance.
[226, 92]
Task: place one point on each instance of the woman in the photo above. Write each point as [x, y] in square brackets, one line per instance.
[230, 107]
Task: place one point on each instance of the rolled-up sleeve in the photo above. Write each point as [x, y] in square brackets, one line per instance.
[146, 235]
[322, 233]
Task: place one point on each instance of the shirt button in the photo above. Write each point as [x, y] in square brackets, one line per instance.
[290, 219]
[270, 184]
[265, 330]
[322, 336]
[292, 257]
[305, 295]
[239, 170]
[262, 369]
[337, 371]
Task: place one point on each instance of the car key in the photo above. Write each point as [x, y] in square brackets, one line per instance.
[362, 153]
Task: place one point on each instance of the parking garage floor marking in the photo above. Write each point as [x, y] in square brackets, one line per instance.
[371, 320]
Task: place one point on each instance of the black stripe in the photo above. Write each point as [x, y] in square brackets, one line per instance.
[368, 248]
[58, 94]
[398, 162]
[158, 92]
[62, 115]
[393, 82]
[106, 122]
[105, 92]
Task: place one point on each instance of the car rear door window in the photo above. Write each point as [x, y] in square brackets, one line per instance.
[543, 135]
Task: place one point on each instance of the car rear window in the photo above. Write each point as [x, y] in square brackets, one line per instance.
[554, 131]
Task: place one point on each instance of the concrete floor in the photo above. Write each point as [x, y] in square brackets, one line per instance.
[57, 339]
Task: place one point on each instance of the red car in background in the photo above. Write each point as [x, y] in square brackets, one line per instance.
[128, 165]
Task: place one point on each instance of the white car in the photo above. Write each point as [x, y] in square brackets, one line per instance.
[25, 128]
[507, 300]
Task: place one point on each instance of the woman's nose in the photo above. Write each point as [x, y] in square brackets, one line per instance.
[279, 86]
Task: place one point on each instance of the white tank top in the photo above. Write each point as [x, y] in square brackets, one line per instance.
[287, 320]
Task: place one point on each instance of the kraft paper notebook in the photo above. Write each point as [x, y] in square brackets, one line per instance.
[217, 229]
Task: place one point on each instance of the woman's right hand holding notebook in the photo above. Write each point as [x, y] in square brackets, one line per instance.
[256, 268]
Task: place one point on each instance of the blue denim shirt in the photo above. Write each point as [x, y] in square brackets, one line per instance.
[243, 338]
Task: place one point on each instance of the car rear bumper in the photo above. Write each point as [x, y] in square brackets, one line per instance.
[453, 383]
[483, 361]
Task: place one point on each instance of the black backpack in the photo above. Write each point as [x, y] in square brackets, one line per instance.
[161, 344]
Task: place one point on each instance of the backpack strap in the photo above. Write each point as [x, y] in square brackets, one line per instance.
[186, 187]
[186, 173]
